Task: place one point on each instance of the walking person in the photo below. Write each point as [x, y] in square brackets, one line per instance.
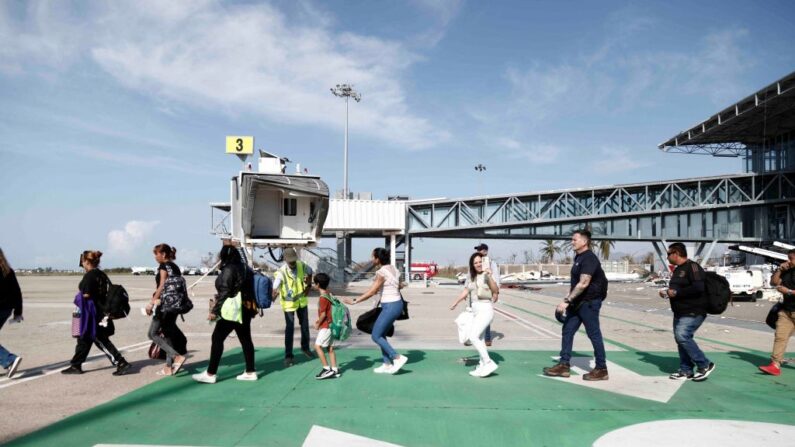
[686, 292]
[291, 283]
[581, 306]
[231, 281]
[165, 322]
[480, 284]
[784, 281]
[489, 265]
[95, 326]
[387, 285]
[10, 304]
[322, 325]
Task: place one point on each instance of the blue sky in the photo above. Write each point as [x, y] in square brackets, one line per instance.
[114, 113]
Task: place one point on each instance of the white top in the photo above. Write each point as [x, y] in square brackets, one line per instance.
[481, 282]
[495, 273]
[390, 291]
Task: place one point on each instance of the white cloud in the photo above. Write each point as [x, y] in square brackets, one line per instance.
[615, 160]
[236, 59]
[125, 242]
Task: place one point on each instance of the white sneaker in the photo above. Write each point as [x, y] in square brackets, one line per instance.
[398, 363]
[383, 369]
[247, 376]
[13, 368]
[203, 377]
[476, 372]
[488, 368]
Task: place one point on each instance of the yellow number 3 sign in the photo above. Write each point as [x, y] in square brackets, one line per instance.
[240, 145]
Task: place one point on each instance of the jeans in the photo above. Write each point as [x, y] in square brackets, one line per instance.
[487, 334]
[6, 358]
[587, 314]
[389, 313]
[222, 330]
[164, 323]
[289, 330]
[689, 353]
[484, 313]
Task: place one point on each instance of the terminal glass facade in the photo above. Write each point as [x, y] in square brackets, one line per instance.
[777, 154]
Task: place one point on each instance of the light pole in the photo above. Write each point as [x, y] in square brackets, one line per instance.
[481, 169]
[346, 91]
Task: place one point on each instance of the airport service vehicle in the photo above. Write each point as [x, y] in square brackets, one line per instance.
[422, 269]
[142, 271]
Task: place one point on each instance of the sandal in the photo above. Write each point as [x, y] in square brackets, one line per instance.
[162, 372]
[176, 366]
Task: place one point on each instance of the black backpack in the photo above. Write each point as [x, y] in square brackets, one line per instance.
[174, 298]
[118, 301]
[717, 292]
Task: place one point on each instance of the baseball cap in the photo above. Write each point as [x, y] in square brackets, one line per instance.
[560, 316]
[290, 255]
[482, 247]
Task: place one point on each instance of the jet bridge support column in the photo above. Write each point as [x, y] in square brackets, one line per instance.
[343, 253]
[662, 253]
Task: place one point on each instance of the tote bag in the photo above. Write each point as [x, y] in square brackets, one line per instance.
[232, 309]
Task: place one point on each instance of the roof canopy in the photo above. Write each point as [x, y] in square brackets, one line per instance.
[767, 113]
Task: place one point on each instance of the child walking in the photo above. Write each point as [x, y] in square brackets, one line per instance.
[324, 338]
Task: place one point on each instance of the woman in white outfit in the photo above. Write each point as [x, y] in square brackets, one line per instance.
[482, 289]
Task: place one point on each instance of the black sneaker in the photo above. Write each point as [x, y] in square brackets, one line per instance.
[337, 373]
[288, 362]
[702, 373]
[324, 374]
[122, 368]
[72, 370]
[681, 375]
[308, 353]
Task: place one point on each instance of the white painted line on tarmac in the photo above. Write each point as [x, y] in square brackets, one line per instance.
[56, 368]
[325, 437]
[527, 324]
[725, 433]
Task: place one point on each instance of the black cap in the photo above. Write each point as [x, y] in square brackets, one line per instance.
[482, 247]
[560, 316]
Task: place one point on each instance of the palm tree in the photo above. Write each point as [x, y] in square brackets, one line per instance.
[604, 246]
[549, 248]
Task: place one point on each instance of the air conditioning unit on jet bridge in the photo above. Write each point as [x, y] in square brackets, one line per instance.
[270, 208]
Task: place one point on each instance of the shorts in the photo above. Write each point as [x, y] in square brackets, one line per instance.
[324, 338]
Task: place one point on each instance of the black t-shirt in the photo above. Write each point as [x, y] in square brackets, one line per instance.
[95, 284]
[788, 281]
[170, 268]
[586, 263]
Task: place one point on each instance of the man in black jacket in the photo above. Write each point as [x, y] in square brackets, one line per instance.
[686, 291]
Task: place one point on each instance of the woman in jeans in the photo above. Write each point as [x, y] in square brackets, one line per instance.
[233, 278]
[387, 285]
[480, 286]
[163, 330]
[10, 303]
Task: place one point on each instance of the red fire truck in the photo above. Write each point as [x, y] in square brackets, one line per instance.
[427, 269]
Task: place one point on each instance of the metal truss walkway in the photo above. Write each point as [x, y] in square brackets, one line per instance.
[729, 208]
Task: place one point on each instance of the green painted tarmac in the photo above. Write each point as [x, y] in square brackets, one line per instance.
[432, 402]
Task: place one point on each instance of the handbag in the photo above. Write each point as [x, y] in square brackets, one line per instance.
[232, 309]
[772, 316]
[154, 351]
[367, 320]
[404, 314]
[464, 322]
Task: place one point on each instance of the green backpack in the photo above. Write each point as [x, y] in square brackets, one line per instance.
[340, 319]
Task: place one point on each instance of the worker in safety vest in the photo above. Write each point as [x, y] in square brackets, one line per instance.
[291, 283]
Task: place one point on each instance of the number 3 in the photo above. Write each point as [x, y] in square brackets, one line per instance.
[239, 142]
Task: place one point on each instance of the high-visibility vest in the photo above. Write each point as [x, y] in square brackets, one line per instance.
[292, 289]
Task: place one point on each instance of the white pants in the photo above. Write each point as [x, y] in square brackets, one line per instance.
[484, 313]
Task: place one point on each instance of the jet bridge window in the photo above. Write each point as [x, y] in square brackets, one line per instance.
[290, 207]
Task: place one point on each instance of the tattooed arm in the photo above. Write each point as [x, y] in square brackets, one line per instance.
[575, 292]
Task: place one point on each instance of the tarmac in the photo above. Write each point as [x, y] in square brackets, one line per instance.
[432, 402]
